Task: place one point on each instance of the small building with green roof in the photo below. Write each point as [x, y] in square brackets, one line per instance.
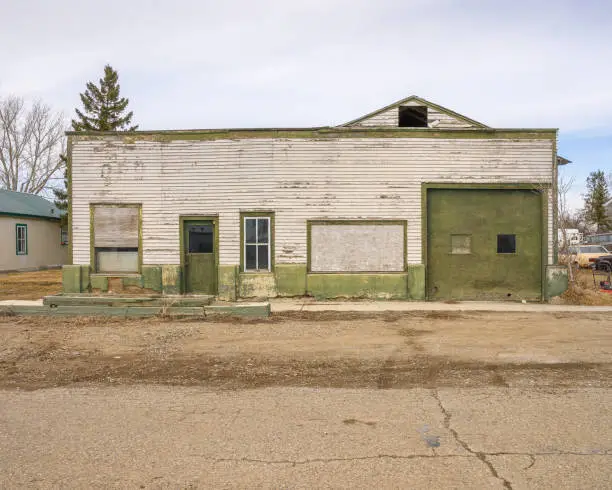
[31, 236]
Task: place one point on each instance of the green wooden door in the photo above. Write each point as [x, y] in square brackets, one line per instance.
[484, 244]
[200, 264]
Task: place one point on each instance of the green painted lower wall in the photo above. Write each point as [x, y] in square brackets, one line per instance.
[290, 279]
[416, 282]
[227, 282]
[374, 285]
[79, 279]
[556, 280]
[71, 278]
[287, 280]
[152, 277]
[85, 279]
[171, 279]
[99, 283]
[256, 285]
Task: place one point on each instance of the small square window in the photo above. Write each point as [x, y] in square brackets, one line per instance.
[461, 244]
[506, 244]
[201, 239]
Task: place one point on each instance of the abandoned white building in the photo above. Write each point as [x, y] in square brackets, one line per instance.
[411, 201]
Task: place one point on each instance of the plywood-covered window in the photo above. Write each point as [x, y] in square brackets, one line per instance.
[116, 237]
[357, 246]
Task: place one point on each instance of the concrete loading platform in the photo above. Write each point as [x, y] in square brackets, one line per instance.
[134, 306]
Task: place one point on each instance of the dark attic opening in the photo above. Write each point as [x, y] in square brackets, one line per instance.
[412, 117]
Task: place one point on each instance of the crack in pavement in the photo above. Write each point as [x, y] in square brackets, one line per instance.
[480, 455]
[546, 453]
[383, 456]
[330, 460]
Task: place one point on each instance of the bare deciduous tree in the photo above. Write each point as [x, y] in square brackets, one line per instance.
[563, 187]
[31, 142]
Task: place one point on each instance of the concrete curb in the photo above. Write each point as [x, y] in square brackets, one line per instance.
[279, 306]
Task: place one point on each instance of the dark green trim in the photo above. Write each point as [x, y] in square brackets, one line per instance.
[310, 222]
[31, 216]
[69, 190]
[321, 133]
[541, 188]
[196, 219]
[414, 98]
[257, 214]
[25, 227]
[92, 252]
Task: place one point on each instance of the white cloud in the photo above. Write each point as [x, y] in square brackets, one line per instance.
[275, 63]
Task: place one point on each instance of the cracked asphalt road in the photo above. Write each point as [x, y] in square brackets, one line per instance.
[153, 436]
[334, 400]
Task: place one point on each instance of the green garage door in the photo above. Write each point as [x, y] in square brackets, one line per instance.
[484, 244]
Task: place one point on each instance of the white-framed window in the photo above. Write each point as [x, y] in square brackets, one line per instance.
[257, 253]
[21, 239]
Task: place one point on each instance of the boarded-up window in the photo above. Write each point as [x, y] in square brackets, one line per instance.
[461, 244]
[116, 237]
[357, 246]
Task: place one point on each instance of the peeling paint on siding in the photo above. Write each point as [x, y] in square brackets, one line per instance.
[333, 178]
[435, 118]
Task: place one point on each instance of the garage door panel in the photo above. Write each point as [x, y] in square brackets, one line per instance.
[482, 272]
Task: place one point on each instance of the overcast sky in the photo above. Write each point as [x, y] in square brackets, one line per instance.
[229, 63]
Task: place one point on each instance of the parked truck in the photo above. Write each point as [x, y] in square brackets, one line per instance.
[569, 236]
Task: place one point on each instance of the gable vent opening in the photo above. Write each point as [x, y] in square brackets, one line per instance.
[412, 117]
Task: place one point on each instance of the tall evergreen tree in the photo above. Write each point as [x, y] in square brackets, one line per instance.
[61, 196]
[103, 108]
[597, 196]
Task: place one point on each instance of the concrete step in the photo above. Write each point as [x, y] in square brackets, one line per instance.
[112, 300]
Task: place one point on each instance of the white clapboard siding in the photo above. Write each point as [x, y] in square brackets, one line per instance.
[435, 118]
[298, 179]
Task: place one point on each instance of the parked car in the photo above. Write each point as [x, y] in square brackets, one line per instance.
[584, 255]
[603, 263]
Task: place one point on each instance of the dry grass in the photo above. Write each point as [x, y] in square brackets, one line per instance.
[496, 349]
[584, 291]
[30, 285]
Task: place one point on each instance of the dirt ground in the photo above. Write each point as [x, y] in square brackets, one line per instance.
[332, 349]
[585, 290]
[30, 285]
